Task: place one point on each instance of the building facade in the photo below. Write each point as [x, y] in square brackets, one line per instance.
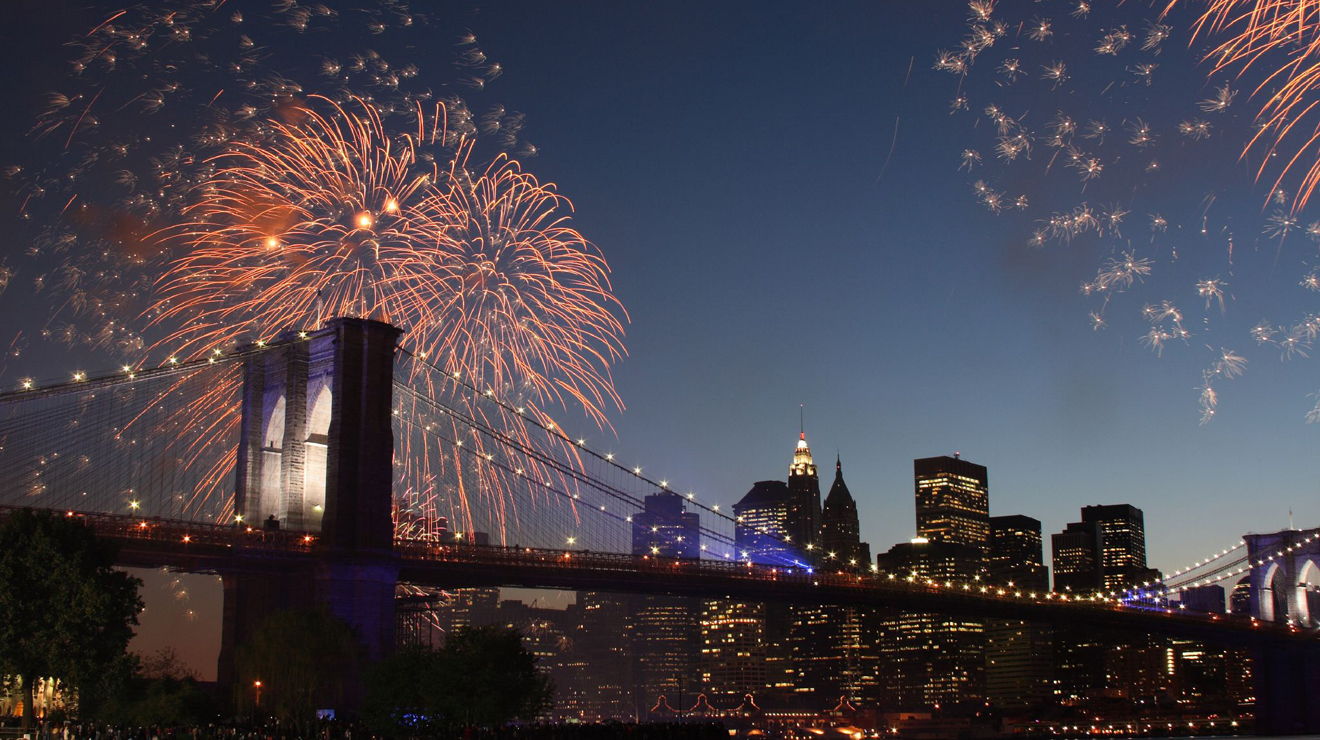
[953, 501]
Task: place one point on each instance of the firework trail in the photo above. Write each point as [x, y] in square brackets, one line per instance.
[1276, 44]
[1083, 131]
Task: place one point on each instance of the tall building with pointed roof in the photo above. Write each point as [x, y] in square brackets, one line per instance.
[840, 533]
[804, 500]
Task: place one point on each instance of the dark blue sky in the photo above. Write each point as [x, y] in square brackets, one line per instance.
[732, 161]
[728, 161]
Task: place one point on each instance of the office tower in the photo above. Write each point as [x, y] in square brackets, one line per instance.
[761, 535]
[1015, 554]
[1209, 599]
[953, 501]
[732, 662]
[1105, 551]
[665, 632]
[546, 633]
[932, 659]
[601, 641]
[803, 521]
[1077, 558]
[761, 531]
[1122, 550]
[840, 533]
[834, 648]
[664, 527]
[1019, 665]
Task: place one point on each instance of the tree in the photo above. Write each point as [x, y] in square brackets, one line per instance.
[163, 691]
[65, 612]
[483, 676]
[490, 678]
[304, 659]
[398, 702]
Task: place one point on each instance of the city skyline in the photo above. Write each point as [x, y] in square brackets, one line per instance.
[759, 282]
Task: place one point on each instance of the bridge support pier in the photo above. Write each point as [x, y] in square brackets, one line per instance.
[347, 412]
[1287, 689]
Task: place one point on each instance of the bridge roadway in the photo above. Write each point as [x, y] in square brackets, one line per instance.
[225, 549]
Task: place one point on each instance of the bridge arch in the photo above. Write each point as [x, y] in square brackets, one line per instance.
[1283, 566]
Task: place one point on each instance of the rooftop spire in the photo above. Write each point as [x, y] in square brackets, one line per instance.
[802, 463]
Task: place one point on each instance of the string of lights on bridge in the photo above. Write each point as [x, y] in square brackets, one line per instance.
[1237, 567]
[82, 381]
[488, 395]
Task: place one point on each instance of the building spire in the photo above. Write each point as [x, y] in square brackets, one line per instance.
[802, 462]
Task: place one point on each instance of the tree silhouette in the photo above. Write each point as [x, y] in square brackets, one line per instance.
[483, 676]
[304, 659]
[65, 613]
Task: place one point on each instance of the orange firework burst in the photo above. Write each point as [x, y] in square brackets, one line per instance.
[332, 215]
[1283, 37]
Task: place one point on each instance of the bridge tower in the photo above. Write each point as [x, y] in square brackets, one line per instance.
[1288, 558]
[1287, 677]
[316, 453]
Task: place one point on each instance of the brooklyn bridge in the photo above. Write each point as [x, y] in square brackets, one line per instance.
[332, 467]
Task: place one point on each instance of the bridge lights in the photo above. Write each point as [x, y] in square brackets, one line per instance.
[187, 538]
[572, 540]
[238, 518]
[133, 505]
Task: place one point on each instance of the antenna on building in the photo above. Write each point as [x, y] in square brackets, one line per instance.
[802, 418]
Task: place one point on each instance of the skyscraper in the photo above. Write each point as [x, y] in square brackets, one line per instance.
[804, 500]
[1019, 666]
[665, 630]
[601, 642]
[931, 659]
[1015, 554]
[732, 662]
[665, 527]
[840, 533]
[1123, 544]
[953, 501]
[1106, 550]
[762, 531]
[764, 534]
[1077, 558]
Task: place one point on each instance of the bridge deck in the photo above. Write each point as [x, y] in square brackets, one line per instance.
[210, 548]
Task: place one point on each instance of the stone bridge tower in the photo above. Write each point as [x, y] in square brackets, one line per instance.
[1287, 677]
[315, 452]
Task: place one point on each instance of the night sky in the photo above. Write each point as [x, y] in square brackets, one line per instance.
[777, 244]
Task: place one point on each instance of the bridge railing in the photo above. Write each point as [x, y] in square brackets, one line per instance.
[184, 533]
[970, 594]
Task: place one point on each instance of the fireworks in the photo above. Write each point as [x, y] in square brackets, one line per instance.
[1121, 135]
[1282, 39]
[213, 184]
[336, 217]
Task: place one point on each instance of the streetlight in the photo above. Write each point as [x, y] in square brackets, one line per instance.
[257, 686]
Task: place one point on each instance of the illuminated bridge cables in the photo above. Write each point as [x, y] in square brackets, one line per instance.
[542, 423]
